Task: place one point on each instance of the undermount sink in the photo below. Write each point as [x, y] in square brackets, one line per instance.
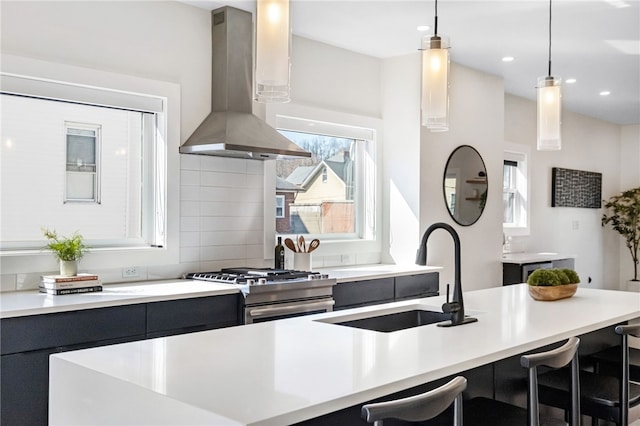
[396, 321]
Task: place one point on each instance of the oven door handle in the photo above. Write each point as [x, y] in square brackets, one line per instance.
[283, 310]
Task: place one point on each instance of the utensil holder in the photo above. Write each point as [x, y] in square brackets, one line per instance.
[302, 261]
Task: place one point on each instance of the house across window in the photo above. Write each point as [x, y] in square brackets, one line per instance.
[318, 192]
[82, 183]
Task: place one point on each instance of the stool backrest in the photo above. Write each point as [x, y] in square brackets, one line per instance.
[625, 331]
[420, 407]
[555, 358]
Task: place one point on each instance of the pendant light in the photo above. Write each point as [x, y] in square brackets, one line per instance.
[273, 51]
[435, 80]
[549, 107]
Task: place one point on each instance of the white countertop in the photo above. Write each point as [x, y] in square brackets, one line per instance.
[521, 258]
[21, 303]
[285, 371]
[369, 272]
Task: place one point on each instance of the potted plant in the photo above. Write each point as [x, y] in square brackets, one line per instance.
[553, 284]
[68, 250]
[623, 214]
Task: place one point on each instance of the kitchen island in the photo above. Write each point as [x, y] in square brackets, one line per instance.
[286, 371]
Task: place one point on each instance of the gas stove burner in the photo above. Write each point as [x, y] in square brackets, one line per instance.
[255, 276]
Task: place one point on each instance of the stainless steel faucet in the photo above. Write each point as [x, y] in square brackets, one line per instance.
[456, 306]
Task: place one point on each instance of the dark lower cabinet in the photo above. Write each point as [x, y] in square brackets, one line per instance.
[27, 342]
[355, 294]
[190, 315]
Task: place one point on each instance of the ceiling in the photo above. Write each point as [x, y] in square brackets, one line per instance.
[595, 42]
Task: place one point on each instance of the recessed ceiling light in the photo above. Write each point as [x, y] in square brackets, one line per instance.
[423, 28]
[605, 93]
[508, 59]
[570, 80]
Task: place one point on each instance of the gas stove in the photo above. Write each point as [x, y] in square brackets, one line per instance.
[275, 293]
[256, 276]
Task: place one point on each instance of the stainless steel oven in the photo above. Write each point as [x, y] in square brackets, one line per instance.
[270, 294]
[261, 313]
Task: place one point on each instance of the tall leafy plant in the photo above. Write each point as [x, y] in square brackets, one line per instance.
[623, 214]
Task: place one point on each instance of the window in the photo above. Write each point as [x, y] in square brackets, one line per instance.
[514, 193]
[280, 206]
[346, 212]
[98, 157]
[82, 163]
[323, 199]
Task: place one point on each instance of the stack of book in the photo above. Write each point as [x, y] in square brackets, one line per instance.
[81, 283]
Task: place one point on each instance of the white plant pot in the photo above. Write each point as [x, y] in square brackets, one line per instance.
[68, 268]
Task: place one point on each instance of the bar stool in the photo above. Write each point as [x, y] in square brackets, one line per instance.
[601, 393]
[422, 407]
[612, 358]
[489, 412]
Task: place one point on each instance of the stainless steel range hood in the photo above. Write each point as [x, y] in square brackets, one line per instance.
[231, 130]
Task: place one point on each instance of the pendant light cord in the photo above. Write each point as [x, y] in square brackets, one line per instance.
[435, 31]
[549, 38]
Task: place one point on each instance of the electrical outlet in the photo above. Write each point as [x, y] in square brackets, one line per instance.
[130, 272]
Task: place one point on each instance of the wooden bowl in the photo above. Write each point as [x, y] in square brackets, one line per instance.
[552, 293]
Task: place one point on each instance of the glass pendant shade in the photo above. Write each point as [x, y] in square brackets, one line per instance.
[549, 113]
[435, 83]
[273, 51]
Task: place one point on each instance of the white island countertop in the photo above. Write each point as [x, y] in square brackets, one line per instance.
[285, 371]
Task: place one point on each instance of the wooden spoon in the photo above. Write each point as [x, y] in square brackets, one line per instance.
[301, 245]
[290, 244]
[313, 245]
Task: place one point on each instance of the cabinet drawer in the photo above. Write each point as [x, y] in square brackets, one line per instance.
[363, 292]
[192, 314]
[22, 334]
[419, 285]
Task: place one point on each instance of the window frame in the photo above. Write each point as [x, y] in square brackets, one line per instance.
[97, 129]
[37, 75]
[280, 205]
[302, 118]
[521, 155]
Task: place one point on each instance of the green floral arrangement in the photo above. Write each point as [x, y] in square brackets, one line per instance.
[65, 248]
[553, 277]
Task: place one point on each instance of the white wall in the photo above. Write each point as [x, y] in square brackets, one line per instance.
[587, 144]
[414, 162]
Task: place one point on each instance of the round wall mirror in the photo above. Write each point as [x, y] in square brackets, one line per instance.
[465, 185]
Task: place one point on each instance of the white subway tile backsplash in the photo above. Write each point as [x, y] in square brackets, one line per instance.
[190, 193]
[224, 164]
[190, 162]
[222, 252]
[189, 178]
[229, 180]
[189, 208]
[255, 181]
[8, 282]
[189, 239]
[223, 238]
[236, 223]
[255, 168]
[189, 254]
[255, 251]
[189, 224]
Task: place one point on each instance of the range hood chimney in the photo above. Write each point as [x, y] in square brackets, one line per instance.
[231, 130]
